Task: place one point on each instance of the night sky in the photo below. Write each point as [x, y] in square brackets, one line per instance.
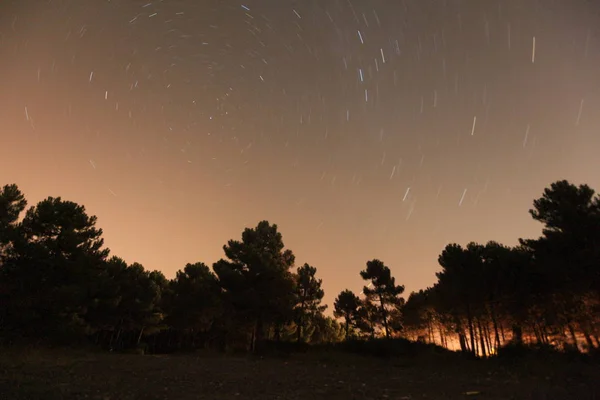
[363, 128]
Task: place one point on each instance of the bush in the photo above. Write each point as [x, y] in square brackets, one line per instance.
[548, 353]
[390, 348]
[517, 350]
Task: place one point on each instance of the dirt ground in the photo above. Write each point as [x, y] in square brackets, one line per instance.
[53, 374]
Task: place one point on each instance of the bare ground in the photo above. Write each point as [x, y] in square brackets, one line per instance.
[68, 374]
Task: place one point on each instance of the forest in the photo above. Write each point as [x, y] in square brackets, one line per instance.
[59, 284]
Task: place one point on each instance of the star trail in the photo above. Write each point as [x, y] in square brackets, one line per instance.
[364, 129]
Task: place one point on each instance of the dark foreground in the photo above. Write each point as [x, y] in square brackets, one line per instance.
[54, 374]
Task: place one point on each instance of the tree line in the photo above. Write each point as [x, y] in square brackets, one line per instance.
[544, 291]
[58, 283]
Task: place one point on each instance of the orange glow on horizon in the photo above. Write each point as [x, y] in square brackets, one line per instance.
[179, 130]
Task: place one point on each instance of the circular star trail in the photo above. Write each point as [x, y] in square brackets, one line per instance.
[364, 129]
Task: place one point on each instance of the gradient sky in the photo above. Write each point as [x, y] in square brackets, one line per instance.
[363, 128]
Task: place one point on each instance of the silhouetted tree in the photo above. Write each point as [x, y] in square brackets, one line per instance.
[137, 309]
[257, 278]
[309, 295]
[415, 315]
[347, 305]
[12, 204]
[326, 330]
[457, 285]
[193, 303]
[368, 316]
[569, 253]
[384, 291]
[58, 257]
[57, 282]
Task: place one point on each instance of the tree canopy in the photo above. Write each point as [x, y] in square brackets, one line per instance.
[59, 283]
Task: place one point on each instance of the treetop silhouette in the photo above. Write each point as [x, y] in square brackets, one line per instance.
[58, 283]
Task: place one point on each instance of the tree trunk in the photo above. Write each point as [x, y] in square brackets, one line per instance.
[481, 338]
[573, 336]
[495, 325]
[300, 321]
[299, 331]
[462, 342]
[461, 334]
[564, 340]
[537, 332]
[430, 332]
[372, 326]
[517, 334]
[471, 331]
[442, 338]
[544, 333]
[384, 316]
[139, 339]
[488, 339]
[588, 340]
[117, 339]
[347, 327]
[587, 335]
